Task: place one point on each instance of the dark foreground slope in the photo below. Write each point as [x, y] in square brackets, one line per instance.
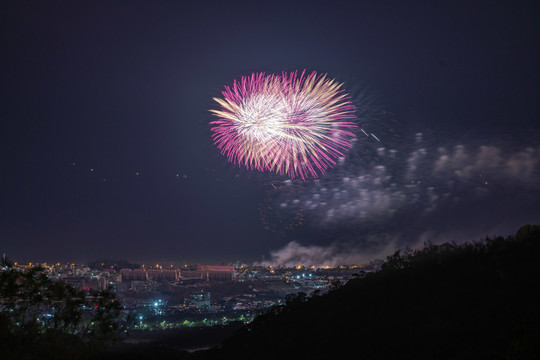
[470, 301]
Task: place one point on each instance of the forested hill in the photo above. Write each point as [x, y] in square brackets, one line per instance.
[476, 300]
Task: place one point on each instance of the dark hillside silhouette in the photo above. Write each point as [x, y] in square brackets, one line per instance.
[470, 301]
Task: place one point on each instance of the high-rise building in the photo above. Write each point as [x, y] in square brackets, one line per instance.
[201, 299]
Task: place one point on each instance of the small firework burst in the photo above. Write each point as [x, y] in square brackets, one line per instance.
[288, 124]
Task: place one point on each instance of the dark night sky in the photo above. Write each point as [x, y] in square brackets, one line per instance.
[124, 88]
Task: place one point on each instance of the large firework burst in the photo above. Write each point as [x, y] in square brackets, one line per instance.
[289, 124]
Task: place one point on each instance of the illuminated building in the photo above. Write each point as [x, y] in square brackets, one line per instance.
[209, 273]
[136, 274]
[201, 299]
[163, 275]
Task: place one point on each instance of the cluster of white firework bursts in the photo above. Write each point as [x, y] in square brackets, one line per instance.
[290, 124]
[420, 181]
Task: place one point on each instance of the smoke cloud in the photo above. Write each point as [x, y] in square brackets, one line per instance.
[400, 198]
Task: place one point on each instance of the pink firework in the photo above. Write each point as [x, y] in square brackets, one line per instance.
[289, 124]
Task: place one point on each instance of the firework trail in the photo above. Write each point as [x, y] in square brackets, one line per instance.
[288, 124]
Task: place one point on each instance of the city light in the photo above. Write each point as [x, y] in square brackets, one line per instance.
[140, 290]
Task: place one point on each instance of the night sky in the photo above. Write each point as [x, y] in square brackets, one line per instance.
[106, 149]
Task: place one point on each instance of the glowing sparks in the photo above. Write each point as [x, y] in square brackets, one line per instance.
[289, 124]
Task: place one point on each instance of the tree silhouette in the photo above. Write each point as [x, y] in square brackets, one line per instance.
[40, 316]
[472, 300]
